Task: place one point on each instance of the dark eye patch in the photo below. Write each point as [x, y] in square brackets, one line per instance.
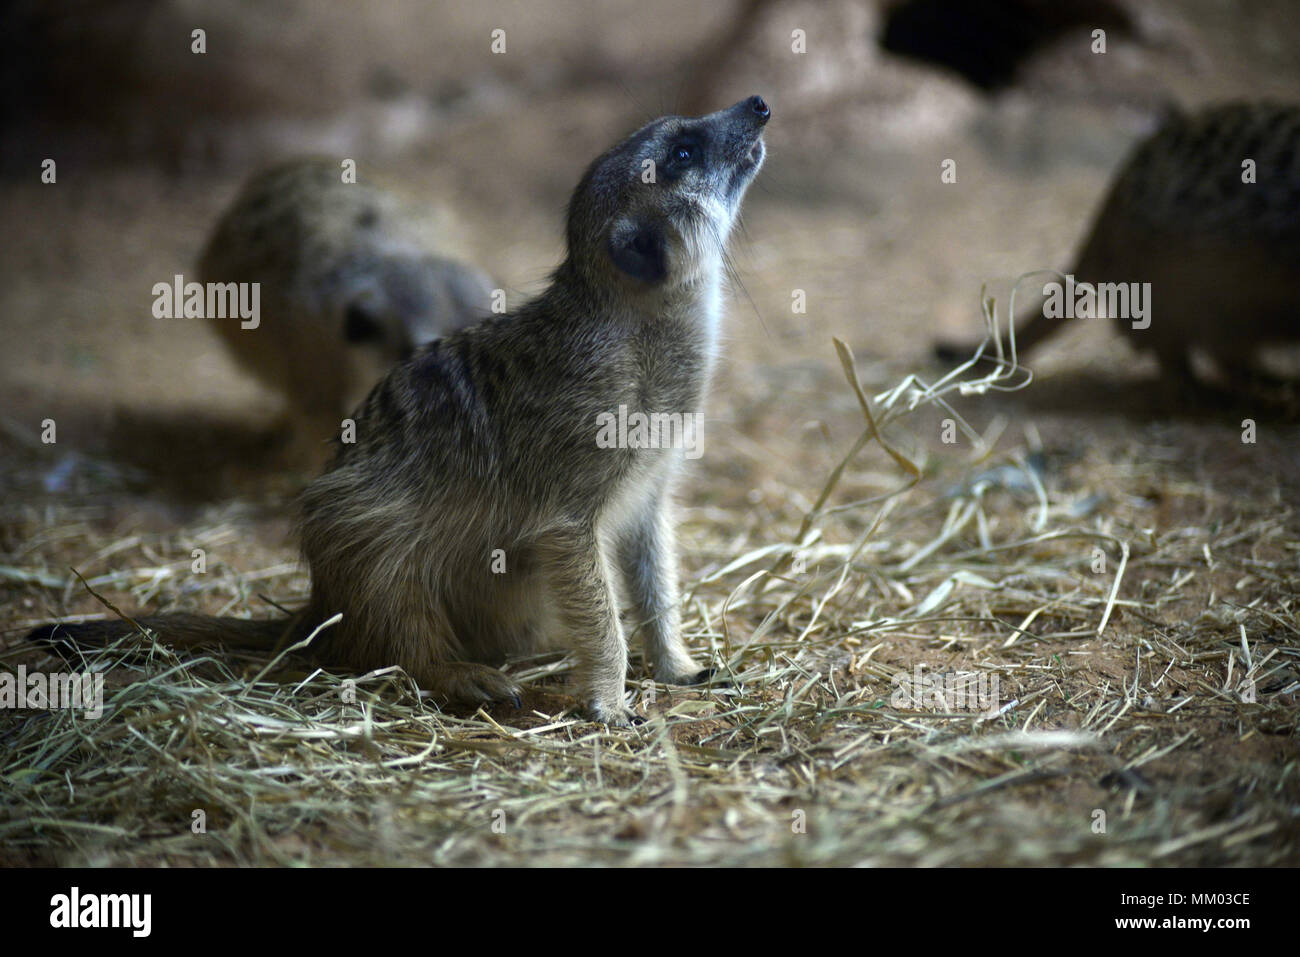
[683, 153]
[359, 327]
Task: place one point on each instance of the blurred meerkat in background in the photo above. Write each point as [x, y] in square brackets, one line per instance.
[1218, 242]
[347, 289]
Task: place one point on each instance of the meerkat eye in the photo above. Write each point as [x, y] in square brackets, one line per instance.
[682, 154]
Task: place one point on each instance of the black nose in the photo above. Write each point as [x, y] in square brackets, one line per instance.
[759, 108]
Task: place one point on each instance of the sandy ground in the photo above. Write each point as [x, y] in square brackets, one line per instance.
[157, 428]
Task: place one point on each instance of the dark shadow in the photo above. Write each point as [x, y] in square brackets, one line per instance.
[987, 40]
[198, 458]
[176, 458]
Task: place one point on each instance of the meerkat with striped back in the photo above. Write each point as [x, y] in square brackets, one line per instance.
[478, 513]
[1207, 211]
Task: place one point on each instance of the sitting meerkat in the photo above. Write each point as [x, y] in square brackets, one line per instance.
[1218, 240]
[347, 288]
[479, 513]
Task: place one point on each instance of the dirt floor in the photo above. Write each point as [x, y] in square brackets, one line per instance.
[1127, 569]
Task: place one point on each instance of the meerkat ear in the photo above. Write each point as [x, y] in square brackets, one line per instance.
[637, 247]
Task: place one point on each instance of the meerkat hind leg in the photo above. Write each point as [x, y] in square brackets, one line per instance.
[467, 683]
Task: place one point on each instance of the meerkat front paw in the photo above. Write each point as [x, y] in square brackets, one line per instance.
[703, 676]
[685, 673]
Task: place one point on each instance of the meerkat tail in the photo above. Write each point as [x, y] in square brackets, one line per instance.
[178, 630]
[1032, 328]
[1031, 332]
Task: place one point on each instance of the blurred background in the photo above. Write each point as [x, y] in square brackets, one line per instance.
[869, 98]
[165, 447]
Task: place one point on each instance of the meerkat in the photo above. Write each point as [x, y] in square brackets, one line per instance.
[478, 514]
[347, 288]
[1206, 210]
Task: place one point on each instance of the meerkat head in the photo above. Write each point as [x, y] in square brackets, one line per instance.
[400, 303]
[385, 307]
[656, 209]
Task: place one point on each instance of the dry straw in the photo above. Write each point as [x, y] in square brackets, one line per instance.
[1140, 712]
